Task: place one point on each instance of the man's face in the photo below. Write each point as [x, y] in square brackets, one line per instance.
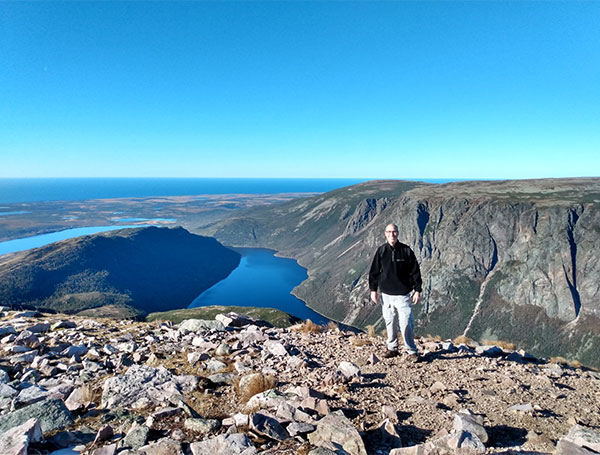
[391, 234]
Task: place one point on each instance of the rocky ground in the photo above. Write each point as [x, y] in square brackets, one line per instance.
[238, 386]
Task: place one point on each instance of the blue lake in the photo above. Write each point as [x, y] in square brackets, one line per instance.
[261, 280]
[35, 241]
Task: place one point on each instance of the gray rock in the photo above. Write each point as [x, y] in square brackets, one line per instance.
[296, 428]
[275, 348]
[142, 386]
[223, 349]
[41, 327]
[214, 365]
[268, 426]
[221, 378]
[52, 414]
[110, 449]
[29, 396]
[322, 451]
[521, 407]
[489, 351]
[76, 351]
[338, 430]
[200, 325]
[224, 444]
[16, 440]
[63, 325]
[7, 391]
[136, 437]
[202, 426]
[4, 377]
[565, 447]
[470, 423]
[349, 370]
[163, 446]
[26, 357]
[583, 437]
[8, 330]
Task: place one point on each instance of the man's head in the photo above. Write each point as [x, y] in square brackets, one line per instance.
[391, 234]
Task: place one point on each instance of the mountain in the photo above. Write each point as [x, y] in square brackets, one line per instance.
[134, 270]
[501, 260]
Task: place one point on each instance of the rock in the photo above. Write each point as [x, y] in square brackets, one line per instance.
[163, 446]
[583, 437]
[63, 325]
[104, 434]
[110, 449]
[389, 412]
[143, 386]
[41, 327]
[76, 400]
[297, 428]
[464, 421]
[224, 444]
[16, 440]
[389, 435]
[29, 396]
[52, 414]
[275, 348]
[221, 378]
[373, 359]
[437, 386]
[337, 429]
[4, 378]
[489, 351]
[136, 437]
[8, 330]
[77, 351]
[527, 407]
[268, 426]
[222, 350]
[200, 325]
[323, 451]
[202, 426]
[214, 365]
[349, 370]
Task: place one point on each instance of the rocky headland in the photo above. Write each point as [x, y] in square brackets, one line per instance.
[236, 385]
[121, 273]
[501, 260]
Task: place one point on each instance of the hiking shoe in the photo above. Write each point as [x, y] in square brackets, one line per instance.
[388, 354]
[412, 358]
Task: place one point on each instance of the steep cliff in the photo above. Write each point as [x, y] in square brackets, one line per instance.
[512, 260]
[148, 269]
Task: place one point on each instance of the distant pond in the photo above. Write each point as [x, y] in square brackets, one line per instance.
[261, 280]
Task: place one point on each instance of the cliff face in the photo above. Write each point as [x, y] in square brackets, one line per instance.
[149, 269]
[513, 260]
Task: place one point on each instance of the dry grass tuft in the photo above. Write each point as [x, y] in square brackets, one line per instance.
[461, 339]
[332, 326]
[248, 386]
[308, 327]
[559, 360]
[359, 341]
[576, 364]
[371, 331]
[500, 343]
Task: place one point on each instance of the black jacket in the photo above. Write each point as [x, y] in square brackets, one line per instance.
[395, 270]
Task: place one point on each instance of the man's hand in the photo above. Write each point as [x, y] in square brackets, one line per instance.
[416, 297]
[374, 296]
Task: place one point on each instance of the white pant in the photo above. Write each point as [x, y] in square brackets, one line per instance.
[397, 312]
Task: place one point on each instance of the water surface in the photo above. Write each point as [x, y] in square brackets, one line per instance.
[261, 280]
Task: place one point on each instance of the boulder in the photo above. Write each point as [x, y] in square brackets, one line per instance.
[583, 437]
[338, 430]
[268, 426]
[466, 421]
[224, 444]
[200, 325]
[52, 414]
[16, 440]
[143, 386]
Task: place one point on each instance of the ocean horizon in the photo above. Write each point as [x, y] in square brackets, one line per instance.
[23, 190]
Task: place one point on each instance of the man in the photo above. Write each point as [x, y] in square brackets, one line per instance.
[395, 272]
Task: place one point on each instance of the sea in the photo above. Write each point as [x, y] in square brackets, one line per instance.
[15, 190]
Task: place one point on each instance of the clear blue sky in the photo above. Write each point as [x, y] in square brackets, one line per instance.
[300, 89]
